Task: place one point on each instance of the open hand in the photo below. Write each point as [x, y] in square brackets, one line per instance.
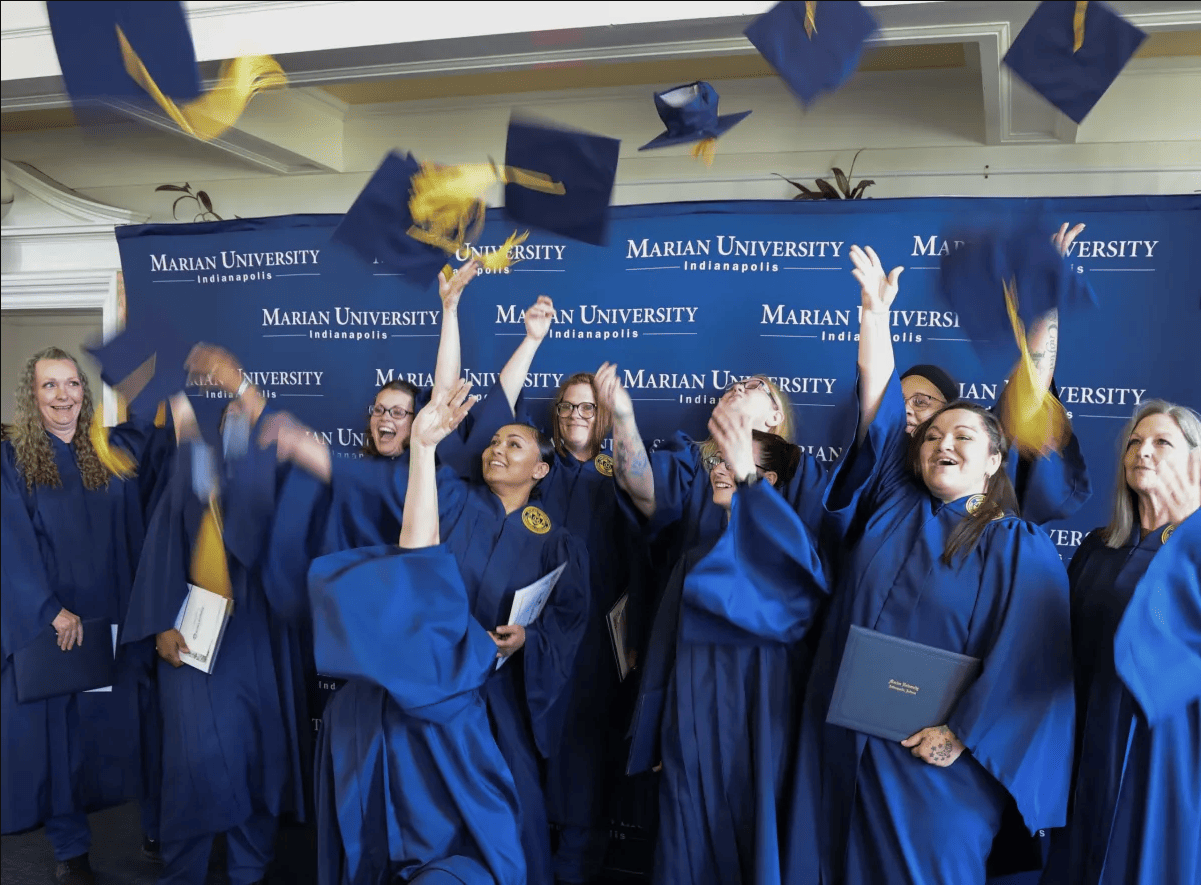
[169, 644]
[1064, 238]
[876, 288]
[1182, 487]
[451, 290]
[936, 745]
[611, 394]
[731, 431]
[69, 629]
[442, 414]
[538, 317]
[508, 639]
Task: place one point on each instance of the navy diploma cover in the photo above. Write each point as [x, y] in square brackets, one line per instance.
[43, 670]
[893, 688]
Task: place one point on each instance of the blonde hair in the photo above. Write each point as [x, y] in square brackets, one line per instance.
[1125, 501]
[31, 446]
[786, 429]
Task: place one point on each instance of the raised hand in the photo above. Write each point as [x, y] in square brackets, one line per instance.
[216, 364]
[731, 431]
[1064, 238]
[877, 289]
[444, 412]
[611, 394]
[451, 290]
[936, 745]
[1182, 487]
[538, 318]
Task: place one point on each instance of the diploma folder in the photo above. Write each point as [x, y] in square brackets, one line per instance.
[201, 622]
[892, 688]
[43, 670]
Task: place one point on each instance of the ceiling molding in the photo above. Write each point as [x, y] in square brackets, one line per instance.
[94, 215]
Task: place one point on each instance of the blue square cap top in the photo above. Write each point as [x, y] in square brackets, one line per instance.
[145, 337]
[377, 225]
[89, 52]
[586, 165]
[818, 58]
[1045, 53]
[690, 114]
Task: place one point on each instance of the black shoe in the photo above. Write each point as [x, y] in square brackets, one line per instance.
[74, 871]
[152, 849]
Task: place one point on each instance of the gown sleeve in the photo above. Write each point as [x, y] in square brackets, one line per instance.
[552, 640]
[1018, 718]
[1157, 649]
[764, 575]
[27, 601]
[1054, 487]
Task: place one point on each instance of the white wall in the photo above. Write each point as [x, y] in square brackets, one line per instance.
[23, 333]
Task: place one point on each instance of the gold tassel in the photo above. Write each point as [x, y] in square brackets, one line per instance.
[1078, 25]
[210, 568]
[206, 117]
[1034, 419]
[706, 150]
[500, 259]
[447, 202]
[810, 18]
[160, 417]
[116, 461]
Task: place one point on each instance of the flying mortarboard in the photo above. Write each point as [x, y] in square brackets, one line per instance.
[144, 362]
[586, 165]
[1071, 52]
[690, 114]
[118, 49]
[814, 47]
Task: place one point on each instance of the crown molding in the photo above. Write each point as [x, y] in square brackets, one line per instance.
[89, 215]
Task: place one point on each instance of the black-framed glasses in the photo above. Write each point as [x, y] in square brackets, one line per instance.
[711, 461]
[396, 412]
[564, 409]
[921, 401]
[752, 384]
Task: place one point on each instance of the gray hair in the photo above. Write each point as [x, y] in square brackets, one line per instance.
[1125, 502]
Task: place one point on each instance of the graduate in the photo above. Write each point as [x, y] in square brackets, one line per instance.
[1135, 815]
[728, 727]
[936, 557]
[502, 543]
[410, 780]
[235, 739]
[73, 531]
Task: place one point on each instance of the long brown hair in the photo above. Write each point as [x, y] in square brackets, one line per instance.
[403, 386]
[31, 445]
[999, 496]
[601, 427]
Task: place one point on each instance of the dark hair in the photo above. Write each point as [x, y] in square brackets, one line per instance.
[999, 496]
[546, 450]
[777, 455]
[601, 426]
[403, 386]
[947, 386]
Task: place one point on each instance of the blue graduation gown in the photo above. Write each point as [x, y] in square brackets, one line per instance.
[74, 548]
[409, 777]
[497, 555]
[583, 499]
[235, 739]
[1135, 816]
[728, 728]
[865, 809]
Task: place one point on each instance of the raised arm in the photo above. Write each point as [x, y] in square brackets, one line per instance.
[446, 370]
[1043, 337]
[443, 413]
[876, 363]
[538, 318]
[632, 467]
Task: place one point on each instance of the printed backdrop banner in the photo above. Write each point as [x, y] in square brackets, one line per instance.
[686, 298]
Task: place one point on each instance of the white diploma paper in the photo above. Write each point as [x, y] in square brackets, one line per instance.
[528, 602]
[202, 620]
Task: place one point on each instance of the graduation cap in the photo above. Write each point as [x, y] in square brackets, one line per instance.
[1070, 53]
[412, 215]
[586, 165]
[998, 283]
[814, 47]
[89, 49]
[690, 114]
[122, 49]
[144, 362]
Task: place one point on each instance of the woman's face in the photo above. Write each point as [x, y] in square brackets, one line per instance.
[922, 399]
[723, 481]
[512, 458]
[389, 433]
[754, 399]
[1155, 443]
[576, 429]
[59, 393]
[955, 456]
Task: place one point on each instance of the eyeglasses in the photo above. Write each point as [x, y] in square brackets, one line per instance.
[396, 412]
[921, 401]
[712, 461]
[752, 384]
[564, 409]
